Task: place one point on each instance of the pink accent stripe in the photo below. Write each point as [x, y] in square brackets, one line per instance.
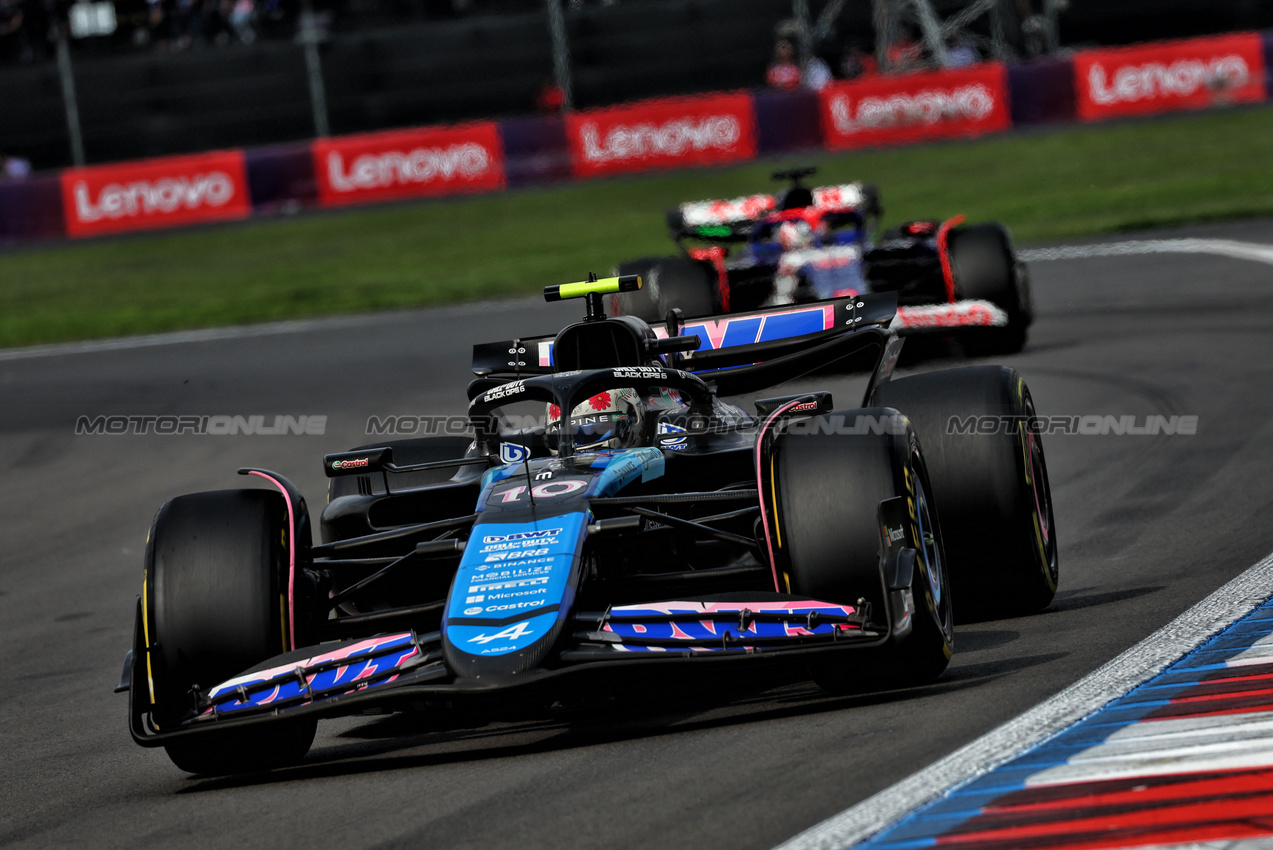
[291, 557]
[760, 488]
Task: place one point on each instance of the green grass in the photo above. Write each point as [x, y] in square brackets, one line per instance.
[1044, 185]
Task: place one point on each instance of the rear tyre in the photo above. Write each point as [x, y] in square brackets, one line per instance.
[993, 487]
[667, 282]
[986, 269]
[216, 566]
[829, 489]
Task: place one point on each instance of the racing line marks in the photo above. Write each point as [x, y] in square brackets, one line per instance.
[1148, 658]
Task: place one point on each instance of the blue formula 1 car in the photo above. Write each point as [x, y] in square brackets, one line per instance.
[611, 519]
[806, 244]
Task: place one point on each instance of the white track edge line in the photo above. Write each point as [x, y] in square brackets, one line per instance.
[1231, 248]
[1220, 247]
[291, 326]
[1146, 659]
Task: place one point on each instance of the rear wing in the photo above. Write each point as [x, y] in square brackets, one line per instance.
[738, 352]
[732, 220]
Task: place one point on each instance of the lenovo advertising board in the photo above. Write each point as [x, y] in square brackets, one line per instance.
[154, 193]
[672, 133]
[408, 163]
[1192, 74]
[896, 109]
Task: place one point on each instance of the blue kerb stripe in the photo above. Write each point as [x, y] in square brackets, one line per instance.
[923, 827]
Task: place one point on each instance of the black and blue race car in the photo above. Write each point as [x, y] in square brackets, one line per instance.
[952, 279]
[612, 518]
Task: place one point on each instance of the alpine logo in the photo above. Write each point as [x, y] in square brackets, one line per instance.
[395, 168]
[972, 102]
[145, 197]
[513, 632]
[671, 138]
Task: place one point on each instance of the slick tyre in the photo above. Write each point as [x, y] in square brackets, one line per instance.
[992, 487]
[829, 487]
[419, 450]
[667, 282]
[985, 268]
[214, 592]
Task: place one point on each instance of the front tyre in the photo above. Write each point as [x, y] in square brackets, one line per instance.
[990, 476]
[829, 487]
[215, 591]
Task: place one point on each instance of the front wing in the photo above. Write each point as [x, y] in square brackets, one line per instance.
[395, 670]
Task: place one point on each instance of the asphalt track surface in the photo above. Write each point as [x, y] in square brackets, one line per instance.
[1147, 527]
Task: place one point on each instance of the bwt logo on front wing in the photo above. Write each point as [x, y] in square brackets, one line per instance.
[671, 138]
[421, 165]
[143, 197]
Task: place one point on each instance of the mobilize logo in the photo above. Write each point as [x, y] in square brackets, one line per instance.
[143, 197]
[671, 138]
[966, 103]
[421, 165]
[1181, 78]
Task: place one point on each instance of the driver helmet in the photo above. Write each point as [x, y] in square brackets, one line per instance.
[609, 420]
[795, 235]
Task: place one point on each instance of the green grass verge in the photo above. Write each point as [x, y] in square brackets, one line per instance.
[1044, 185]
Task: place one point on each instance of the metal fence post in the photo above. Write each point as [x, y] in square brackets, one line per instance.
[561, 53]
[68, 97]
[804, 34]
[309, 38]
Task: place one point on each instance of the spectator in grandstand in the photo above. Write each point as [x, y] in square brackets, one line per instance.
[14, 167]
[817, 74]
[550, 98]
[242, 14]
[960, 53]
[10, 30]
[857, 63]
[783, 72]
[904, 55]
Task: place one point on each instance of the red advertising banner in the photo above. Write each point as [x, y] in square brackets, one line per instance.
[1190, 74]
[408, 163]
[155, 193]
[670, 133]
[893, 109]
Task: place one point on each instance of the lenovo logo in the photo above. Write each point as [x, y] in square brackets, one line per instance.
[671, 138]
[966, 103]
[394, 168]
[145, 197]
[1152, 80]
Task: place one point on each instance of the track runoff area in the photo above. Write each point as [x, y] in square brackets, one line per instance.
[1168, 745]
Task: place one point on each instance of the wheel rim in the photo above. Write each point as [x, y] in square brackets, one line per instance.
[928, 544]
[1041, 494]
